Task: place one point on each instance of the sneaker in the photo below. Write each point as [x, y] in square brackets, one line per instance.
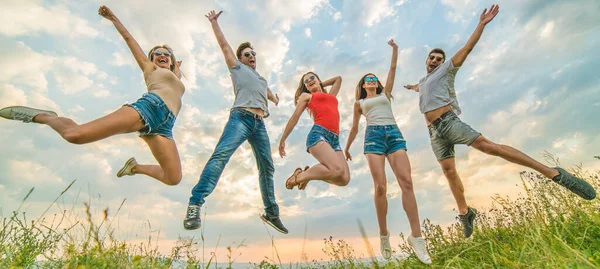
[192, 218]
[574, 184]
[23, 113]
[275, 222]
[126, 170]
[384, 246]
[468, 220]
[418, 245]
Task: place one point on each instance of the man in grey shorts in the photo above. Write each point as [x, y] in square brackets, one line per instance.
[245, 124]
[437, 100]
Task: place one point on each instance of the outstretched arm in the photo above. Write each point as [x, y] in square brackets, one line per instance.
[227, 51]
[140, 57]
[389, 83]
[353, 130]
[273, 97]
[335, 83]
[459, 58]
[302, 103]
[414, 87]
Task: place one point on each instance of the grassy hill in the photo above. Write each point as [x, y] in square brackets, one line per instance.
[545, 227]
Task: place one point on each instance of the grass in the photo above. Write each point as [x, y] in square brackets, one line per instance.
[544, 227]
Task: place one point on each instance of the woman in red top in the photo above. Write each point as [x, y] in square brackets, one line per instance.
[323, 140]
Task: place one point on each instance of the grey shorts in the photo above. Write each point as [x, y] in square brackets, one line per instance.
[447, 131]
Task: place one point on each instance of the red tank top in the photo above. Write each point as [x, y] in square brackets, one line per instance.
[324, 109]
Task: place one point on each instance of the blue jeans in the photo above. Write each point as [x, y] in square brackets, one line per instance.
[383, 139]
[242, 125]
[319, 133]
[157, 118]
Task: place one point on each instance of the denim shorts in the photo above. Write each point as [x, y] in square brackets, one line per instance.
[157, 117]
[447, 131]
[383, 139]
[319, 133]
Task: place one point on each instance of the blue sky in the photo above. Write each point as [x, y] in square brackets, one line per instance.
[531, 83]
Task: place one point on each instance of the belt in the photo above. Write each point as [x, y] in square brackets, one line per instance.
[443, 116]
[249, 113]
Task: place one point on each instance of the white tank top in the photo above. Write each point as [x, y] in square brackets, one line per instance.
[377, 110]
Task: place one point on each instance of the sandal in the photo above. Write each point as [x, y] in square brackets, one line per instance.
[295, 176]
[302, 186]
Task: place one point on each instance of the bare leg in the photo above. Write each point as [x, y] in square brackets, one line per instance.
[512, 155]
[456, 186]
[377, 167]
[332, 167]
[123, 120]
[165, 151]
[401, 166]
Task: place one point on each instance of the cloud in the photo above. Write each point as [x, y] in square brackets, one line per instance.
[529, 83]
[30, 17]
[374, 11]
[337, 16]
[307, 32]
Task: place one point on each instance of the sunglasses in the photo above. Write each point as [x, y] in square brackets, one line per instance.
[439, 59]
[371, 79]
[247, 54]
[311, 78]
[159, 53]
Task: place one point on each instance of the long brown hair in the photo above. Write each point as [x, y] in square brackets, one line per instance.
[302, 88]
[361, 93]
[165, 46]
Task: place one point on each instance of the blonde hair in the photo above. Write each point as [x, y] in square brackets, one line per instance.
[165, 46]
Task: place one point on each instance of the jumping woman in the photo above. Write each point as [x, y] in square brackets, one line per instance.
[152, 116]
[323, 139]
[383, 139]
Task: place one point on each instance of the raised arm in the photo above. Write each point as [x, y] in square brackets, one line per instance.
[353, 130]
[335, 83]
[230, 58]
[140, 57]
[459, 58]
[389, 82]
[302, 103]
[272, 97]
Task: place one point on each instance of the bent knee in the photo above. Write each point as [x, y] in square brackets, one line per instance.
[74, 137]
[342, 179]
[449, 170]
[173, 179]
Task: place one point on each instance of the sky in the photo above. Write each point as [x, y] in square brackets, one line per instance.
[530, 83]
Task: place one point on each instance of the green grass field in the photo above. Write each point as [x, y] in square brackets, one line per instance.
[545, 227]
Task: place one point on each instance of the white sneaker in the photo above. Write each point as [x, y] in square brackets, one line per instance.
[126, 170]
[23, 113]
[418, 245]
[384, 245]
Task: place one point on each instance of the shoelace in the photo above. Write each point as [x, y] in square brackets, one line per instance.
[192, 212]
[22, 116]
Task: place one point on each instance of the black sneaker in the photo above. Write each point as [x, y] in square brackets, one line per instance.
[468, 221]
[575, 184]
[275, 222]
[192, 218]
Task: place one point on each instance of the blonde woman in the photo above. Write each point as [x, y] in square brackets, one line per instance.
[152, 116]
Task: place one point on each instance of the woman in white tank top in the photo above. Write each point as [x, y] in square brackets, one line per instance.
[152, 116]
[384, 139]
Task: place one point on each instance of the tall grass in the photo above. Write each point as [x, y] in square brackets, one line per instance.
[544, 227]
